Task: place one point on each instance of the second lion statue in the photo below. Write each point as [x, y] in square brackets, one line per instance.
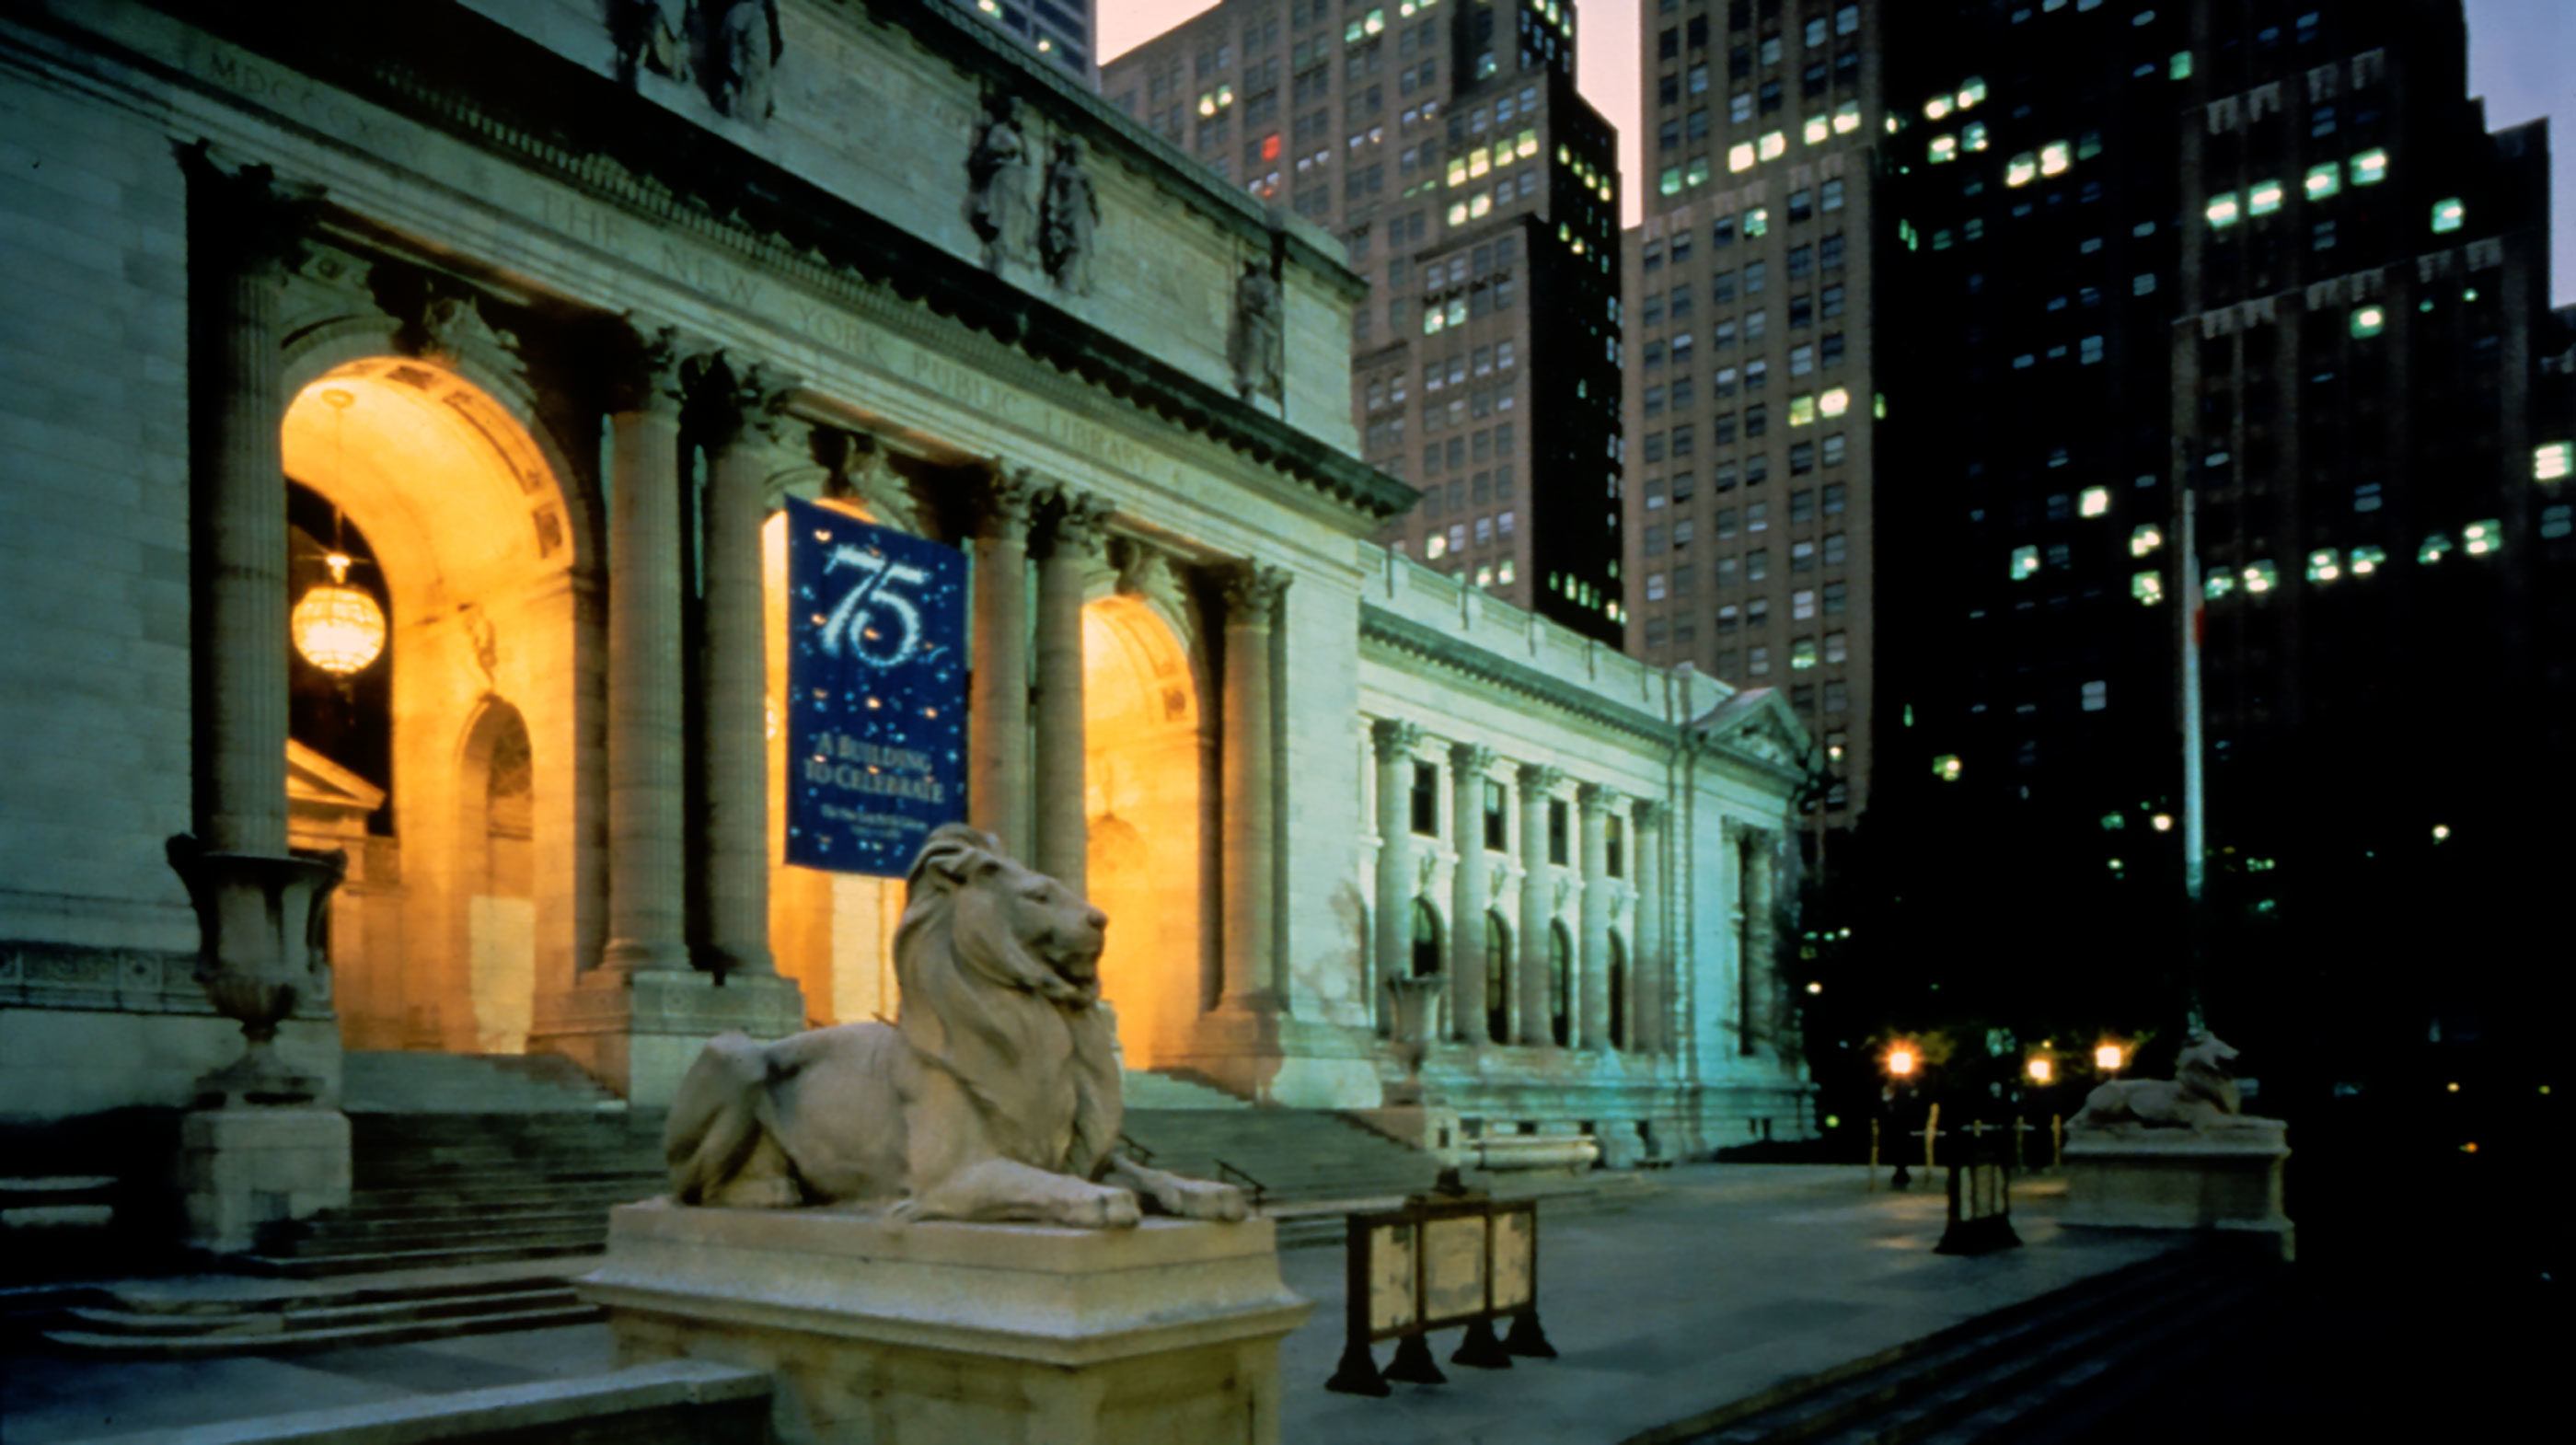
[993, 1096]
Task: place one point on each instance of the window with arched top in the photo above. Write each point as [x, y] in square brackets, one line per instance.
[1560, 984]
[1498, 972]
[1618, 993]
[1426, 939]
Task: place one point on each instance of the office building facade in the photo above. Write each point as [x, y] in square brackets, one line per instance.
[1445, 144]
[1752, 383]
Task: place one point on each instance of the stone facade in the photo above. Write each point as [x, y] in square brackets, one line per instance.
[557, 334]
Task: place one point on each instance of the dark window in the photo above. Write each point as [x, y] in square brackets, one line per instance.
[1426, 800]
[1618, 982]
[1557, 851]
[1831, 302]
[1426, 940]
[1614, 838]
[1495, 827]
[1560, 984]
[1498, 968]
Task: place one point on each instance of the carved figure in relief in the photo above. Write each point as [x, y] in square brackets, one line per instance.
[993, 1096]
[1259, 339]
[998, 175]
[1072, 211]
[650, 35]
[743, 48]
[2202, 1095]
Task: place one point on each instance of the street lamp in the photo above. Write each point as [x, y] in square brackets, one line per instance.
[2109, 1057]
[1900, 1062]
[2041, 1069]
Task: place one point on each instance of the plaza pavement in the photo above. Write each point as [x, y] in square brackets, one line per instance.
[1722, 1281]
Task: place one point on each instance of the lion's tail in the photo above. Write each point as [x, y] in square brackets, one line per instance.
[715, 1119]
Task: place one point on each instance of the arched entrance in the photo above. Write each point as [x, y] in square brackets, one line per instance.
[465, 905]
[1144, 761]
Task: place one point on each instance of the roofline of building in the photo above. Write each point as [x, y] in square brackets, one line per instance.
[478, 85]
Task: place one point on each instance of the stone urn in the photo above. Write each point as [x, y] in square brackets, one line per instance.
[1417, 1005]
[261, 950]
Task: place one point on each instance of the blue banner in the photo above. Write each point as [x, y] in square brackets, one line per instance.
[876, 690]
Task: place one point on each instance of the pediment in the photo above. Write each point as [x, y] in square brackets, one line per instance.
[319, 787]
[1757, 723]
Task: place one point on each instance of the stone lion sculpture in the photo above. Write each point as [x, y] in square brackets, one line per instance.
[993, 1096]
[2202, 1095]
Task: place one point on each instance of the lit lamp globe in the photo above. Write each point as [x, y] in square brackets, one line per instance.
[337, 627]
[2108, 1058]
[1900, 1062]
[2042, 1070]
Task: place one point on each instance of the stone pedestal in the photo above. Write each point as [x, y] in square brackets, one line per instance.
[2223, 1179]
[905, 1334]
[241, 1168]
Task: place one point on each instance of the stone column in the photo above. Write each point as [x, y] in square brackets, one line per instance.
[997, 709]
[1592, 991]
[1063, 830]
[1749, 851]
[734, 671]
[1537, 901]
[1467, 896]
[245, 231]
[1250, 754]
[647, 874]
[1394, 742]
[1652, 985]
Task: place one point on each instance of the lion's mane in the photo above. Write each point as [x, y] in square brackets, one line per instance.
[1035, 1052]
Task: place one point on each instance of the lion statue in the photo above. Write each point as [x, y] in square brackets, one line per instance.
[993, 1096]
[2202, 1095]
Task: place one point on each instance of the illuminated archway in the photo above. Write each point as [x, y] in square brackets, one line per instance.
[1145, 756]
[475, 890]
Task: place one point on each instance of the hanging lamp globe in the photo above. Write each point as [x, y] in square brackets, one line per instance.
[337, 627]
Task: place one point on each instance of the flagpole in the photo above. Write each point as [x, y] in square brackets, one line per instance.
[2195, 842]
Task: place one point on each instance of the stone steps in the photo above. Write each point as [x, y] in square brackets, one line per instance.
[1298, 1155]
[383, 1082]
[2009, 1370]
[673, 1402]
[141, 1321]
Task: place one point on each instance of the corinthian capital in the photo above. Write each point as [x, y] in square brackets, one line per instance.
[1536, 782]
[261, 222]
[1394, 739]
[1073, 521]
[1252, 593]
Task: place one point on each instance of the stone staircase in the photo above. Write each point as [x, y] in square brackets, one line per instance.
[463, 1160]
[2052, 1368]
[1304, 1159]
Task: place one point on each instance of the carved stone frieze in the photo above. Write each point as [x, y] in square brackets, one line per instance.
[1071, 215]
[1257, 346]
[997, 176]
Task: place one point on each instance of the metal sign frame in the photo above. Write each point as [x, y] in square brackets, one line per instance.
[1428, 1304]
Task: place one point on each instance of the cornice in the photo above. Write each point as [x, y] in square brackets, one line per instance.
[485, 85]
[1395, 633]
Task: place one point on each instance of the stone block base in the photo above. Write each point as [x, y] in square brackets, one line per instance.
[240, 1168]
[905, 1334]
[2177, 1179]
[638, 1033]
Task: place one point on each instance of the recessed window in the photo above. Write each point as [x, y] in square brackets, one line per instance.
[2097, 696]
[2449, 215]
[2224, 210]
[1426, 799]
[1559, 850]
[2263, 198]
[2025, 562]
[2094, 501]
[2369, 320]
[2368, 168]
[2324, 180]
[2553, 461]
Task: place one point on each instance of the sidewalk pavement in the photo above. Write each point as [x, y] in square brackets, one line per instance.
[1726, 1280]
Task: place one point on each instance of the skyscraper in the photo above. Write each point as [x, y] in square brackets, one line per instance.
[1061, 30]
[1444, 142]
[2269, 255]
[1751, 391]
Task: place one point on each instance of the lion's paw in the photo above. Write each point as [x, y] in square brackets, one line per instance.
[1202, 1199]
[1103, 1209]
